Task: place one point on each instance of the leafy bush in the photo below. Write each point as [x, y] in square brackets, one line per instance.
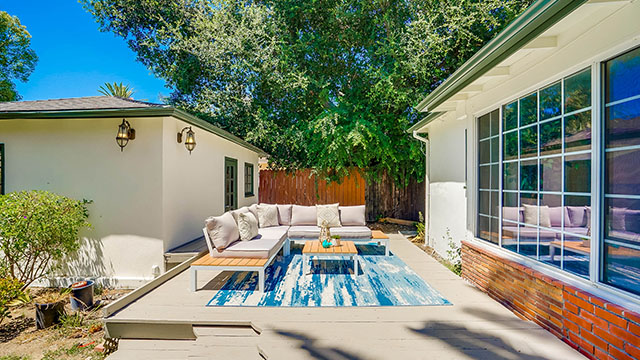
[10, 294]
[420, 228]
[38, 229]
[454, 252]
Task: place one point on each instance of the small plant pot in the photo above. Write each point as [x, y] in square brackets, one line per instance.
[48, 314]
[82, 295]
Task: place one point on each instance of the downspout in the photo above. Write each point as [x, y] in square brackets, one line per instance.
[427, 189]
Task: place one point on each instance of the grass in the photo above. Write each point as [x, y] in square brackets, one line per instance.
[14, 357]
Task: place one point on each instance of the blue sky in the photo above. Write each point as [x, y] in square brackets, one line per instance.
[74, 57]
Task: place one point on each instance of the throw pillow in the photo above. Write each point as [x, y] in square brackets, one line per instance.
[531, 215]
[223, 230]
[254, 210]
[267, 215]
[284, 214]
[352, 215]
[235, 213]
[328, 214]
[303, 215]
[247, 226]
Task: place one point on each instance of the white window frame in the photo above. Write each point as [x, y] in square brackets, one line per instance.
[594, 283]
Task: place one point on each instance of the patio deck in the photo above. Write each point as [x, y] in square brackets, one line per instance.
[475, 327]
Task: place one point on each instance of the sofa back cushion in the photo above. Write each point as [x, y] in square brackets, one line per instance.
[222, 230]
[534, 214]
[247, 226]
[353, 215]
[578, 216]
[284, 214]
[237, 212]
[513, 214]
[303, 215]
[556, 214]
[267, 215]
[254, 210]
[329, 215]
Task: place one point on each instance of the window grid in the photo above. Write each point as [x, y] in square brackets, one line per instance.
[248, 179]
[538, 196]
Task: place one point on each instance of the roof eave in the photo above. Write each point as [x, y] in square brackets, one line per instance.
[424, 122]
[134, 112]
[539, 17]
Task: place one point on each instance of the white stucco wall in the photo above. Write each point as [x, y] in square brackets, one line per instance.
[589, 36]
[447, 185]
[193, 187]
[79, 158]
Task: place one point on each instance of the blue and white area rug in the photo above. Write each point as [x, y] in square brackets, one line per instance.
[382, 281]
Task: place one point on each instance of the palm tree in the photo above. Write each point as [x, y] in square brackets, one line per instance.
[117, 90]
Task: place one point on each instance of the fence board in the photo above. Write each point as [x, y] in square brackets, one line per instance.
[382, 197]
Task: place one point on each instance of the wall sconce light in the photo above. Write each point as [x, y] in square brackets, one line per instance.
[125, 133]
[190, 141]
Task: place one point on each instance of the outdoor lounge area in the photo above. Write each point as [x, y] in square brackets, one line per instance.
[470, 326]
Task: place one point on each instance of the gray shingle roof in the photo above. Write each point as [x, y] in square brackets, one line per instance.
[80, 103]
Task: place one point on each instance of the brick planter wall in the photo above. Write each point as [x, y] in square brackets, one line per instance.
[595, 327]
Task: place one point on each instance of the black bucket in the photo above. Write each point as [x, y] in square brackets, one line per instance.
[48, 314]
[82, 295]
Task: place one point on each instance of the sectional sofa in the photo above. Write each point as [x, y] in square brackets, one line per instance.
[294, 224]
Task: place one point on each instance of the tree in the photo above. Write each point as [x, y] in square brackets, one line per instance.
[17, 60]
[117, 90]
[322, 84]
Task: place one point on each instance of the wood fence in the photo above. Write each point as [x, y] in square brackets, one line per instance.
[382, 197]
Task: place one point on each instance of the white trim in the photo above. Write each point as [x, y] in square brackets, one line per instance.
[606, 292]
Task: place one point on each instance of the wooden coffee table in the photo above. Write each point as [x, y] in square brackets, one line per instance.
[314, 248]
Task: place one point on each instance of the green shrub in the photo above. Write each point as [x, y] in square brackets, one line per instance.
[10, 294]
[420, 228]
[38, 229]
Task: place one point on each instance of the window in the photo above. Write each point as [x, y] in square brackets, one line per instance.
[248, 179]
[488, 181]
[621, 213]
[547, 151]
[230, 184]
[1, 169]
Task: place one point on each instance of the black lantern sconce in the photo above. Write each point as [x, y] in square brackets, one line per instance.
[125, 133]
[190, 141]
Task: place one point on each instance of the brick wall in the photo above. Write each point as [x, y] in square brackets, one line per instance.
[591, 325]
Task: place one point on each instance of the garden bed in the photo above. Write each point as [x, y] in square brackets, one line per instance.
[75, 338]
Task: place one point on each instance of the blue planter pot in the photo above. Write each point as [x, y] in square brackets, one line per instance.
[82, 295]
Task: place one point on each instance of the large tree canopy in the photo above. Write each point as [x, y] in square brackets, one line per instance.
[322, 84]
[17, 60]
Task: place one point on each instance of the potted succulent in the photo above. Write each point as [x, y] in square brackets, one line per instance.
[49, 308]
[336, 240]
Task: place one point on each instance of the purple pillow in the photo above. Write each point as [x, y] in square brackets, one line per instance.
[617, 219]
[577, 216]
[556, 214]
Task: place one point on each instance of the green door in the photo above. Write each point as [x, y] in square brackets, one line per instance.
[230, 184]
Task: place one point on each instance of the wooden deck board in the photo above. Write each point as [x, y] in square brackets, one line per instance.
[475, 326]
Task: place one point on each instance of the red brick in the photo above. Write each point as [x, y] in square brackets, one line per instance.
[579, 302]
[583, 323]
[624, 334]
[608, 337]
[583, 295]
[599, 354]
[594, 339]
[632, 316]
[634, 329]
[632, 350]
[570, 326]
[594, 319]
[572, 308]
[618, 354]
[597, 301]
[615, 309]
[610, 317]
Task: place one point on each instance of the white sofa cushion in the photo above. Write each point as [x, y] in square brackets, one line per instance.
[247, 226]
[284, 214]
[255, 249]
[303, 215]
[328, 214]
[307, 232]
[222, 230]
[352, 232]
[352, 215]
[254, 210]
[237, 212]
[267, 215]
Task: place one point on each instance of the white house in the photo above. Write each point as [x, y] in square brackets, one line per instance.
[149, 196]
[533, 152]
